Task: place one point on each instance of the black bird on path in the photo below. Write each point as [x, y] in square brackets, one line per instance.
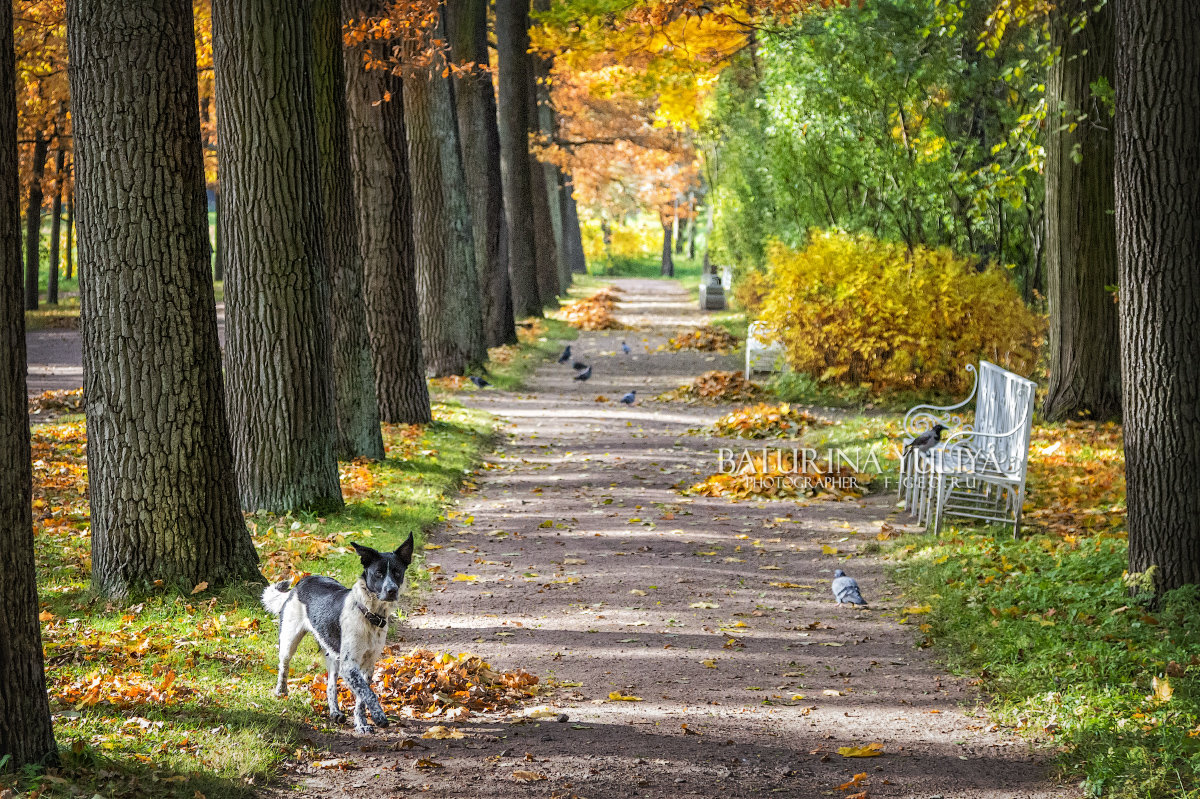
[629, 398]
[584, 374]
[578, 365]
[566, 355]
[479, 381]
[926, 440]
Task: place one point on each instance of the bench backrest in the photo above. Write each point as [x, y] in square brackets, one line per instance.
[1003, 409]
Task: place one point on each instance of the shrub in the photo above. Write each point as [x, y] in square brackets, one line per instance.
[854, 310]
[750, 290]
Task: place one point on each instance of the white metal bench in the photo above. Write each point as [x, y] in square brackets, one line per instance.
[760, 347]
[978, 470]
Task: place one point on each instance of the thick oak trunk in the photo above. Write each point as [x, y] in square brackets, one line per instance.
[549, 278]
[479, 136]
[355, 406]
[276, 271]
[379, 162]
[160, 468]
[33, 221]
[25, 731]
[512, 42]
[447, 281]
[55, 228]
[1158, 247]
[1081, 241]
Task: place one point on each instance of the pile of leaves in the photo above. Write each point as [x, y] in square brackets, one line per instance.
[56, 402]
[708, 338]
[714, 386]
[779, 475]
[123, 691]
[765, 420]
[450, 383]
[421, 684]
[592, 313]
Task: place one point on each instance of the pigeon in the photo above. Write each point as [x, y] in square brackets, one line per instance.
[625, 348]
[584, 374]
[629, 398]
[578, 365]
[566, 355]
[479, 381]
[926, 440]
[845, 589]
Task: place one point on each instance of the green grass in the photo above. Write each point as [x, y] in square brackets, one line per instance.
[222, 733]
[1048, 626]
[687, 270]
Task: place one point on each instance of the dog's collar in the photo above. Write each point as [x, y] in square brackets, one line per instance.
[374, 618]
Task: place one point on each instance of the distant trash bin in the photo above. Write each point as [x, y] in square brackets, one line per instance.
[712, 294]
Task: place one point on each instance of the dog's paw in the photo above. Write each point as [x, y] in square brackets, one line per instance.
[380, 720]
[338, 717]
[363, 729]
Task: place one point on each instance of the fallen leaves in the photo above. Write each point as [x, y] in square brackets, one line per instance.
[439, 732]
[707, 338]
[592, 313]
[772, 475]
[765, 420]
[853, 782]
[715, 386]
[528, 776]
[426, 684]
[617, 696]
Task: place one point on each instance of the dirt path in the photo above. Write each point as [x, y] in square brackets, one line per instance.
[605, 598]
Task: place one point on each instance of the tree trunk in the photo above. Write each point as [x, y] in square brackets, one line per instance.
[545, 237]
[33, 222]
[70, 235]
[668, 263]
[691, 233]
[1158, 245]
[25, 731]
[572, 235]
[160, 468]
[276, 272]
[55, 227]
[355, 406]
[466, 23]
[512, 42]
[447, 282]
[379, 163]
[1081, 259]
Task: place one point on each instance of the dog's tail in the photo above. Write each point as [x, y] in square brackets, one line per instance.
[275, 595]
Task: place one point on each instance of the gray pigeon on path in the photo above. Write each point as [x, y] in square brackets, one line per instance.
[845, 589]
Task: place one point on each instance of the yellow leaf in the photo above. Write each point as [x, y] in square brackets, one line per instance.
[547, 523]
[870, 750]
[1162, 689]
[465, 578]
[45, 615]
[709, 664]
[828, 550]
[439, 733]
[915, 610]
[426, 763]
[528, 776]
[201, 587]
[617, 696]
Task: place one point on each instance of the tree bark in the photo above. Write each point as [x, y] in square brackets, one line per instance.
[25, 731]
[447, 281]
[668, 263]
[33, 222]
[160, 468]
[276, 281]
[1158, 245]
[572, 234]
[466, 24]
[70, 235]
[1081, 255]
[379, 163]
[549, 277]
[357, 411]
[512, 42]
[55, 227]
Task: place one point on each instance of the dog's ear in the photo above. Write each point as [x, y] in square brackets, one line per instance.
[365, 554]
[405, 550]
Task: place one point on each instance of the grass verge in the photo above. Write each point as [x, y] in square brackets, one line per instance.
[170, 697]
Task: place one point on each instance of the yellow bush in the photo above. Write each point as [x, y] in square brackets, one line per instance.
[854, 310]
[750, 290]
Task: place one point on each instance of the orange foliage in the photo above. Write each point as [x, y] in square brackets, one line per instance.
[766, 421]
[593, 313]
[708, 338]
[714, 386]
[779, 475]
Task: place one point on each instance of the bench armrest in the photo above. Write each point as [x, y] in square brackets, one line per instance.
[922, 417]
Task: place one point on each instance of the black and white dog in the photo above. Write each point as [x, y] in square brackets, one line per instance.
[350, 625]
